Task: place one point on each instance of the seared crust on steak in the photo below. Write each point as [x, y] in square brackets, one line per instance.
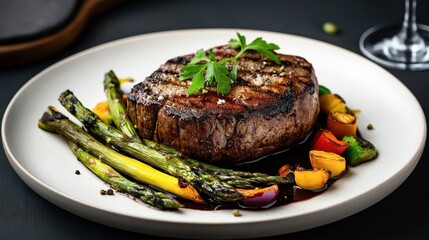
[270, 108]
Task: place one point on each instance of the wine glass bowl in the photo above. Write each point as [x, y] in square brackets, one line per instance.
[403, 47]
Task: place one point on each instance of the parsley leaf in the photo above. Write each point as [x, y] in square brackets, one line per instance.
[199, 56]
[206, 71]
[197, 82]
[223, 81]
[265, 48]
[190, 70]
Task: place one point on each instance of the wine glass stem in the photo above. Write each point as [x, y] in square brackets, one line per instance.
[409, 26]
[407, 45]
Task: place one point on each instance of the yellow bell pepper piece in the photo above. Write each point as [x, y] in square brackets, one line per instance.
[332, 103]
[333, 162]
[312, 179]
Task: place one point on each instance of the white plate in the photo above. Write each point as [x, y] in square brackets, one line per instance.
[45, 163]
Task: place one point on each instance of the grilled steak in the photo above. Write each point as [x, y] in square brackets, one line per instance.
[270, 107]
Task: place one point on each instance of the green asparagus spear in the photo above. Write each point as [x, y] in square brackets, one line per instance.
[238, 179]
[212, 188]
[54, 121]
[117, 106]
[147, 195]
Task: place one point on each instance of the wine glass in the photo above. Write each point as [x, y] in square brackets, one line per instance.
[403, 47]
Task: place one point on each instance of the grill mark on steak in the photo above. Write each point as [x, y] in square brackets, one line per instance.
[270, 107]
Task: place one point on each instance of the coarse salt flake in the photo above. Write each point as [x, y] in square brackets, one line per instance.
[221, 101]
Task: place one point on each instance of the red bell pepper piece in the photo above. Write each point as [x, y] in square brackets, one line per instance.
[325, 140]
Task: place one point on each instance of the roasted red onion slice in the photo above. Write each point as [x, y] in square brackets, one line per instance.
[263, 200]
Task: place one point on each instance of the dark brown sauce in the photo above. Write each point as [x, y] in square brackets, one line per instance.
[288, 193]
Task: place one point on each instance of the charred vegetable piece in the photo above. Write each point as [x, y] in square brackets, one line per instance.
[117, 106]
[259, 198]
[146, 194]
[335, 163]
[102, 110]
[323, 90]
[341, 124]
[332, 103]
[284, 170]
[324, 140]
[359, 150]
[312, 179]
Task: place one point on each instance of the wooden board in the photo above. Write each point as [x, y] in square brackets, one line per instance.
[30, 51]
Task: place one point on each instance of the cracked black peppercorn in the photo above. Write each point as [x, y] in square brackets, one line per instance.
[109, 191]
[77, 172]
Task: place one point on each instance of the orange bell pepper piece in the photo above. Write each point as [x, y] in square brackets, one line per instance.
[341, 124]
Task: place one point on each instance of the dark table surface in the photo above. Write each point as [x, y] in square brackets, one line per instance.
[404, 214]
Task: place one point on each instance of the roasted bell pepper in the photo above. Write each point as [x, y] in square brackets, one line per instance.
[359, 150]
[332, 103]
[341, 124]
[335, 163]
[284, 170]
[324, 140]
[312, 179]
[102, 110]
[323, 90]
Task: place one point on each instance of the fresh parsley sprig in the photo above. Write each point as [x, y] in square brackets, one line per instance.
[205, 71]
